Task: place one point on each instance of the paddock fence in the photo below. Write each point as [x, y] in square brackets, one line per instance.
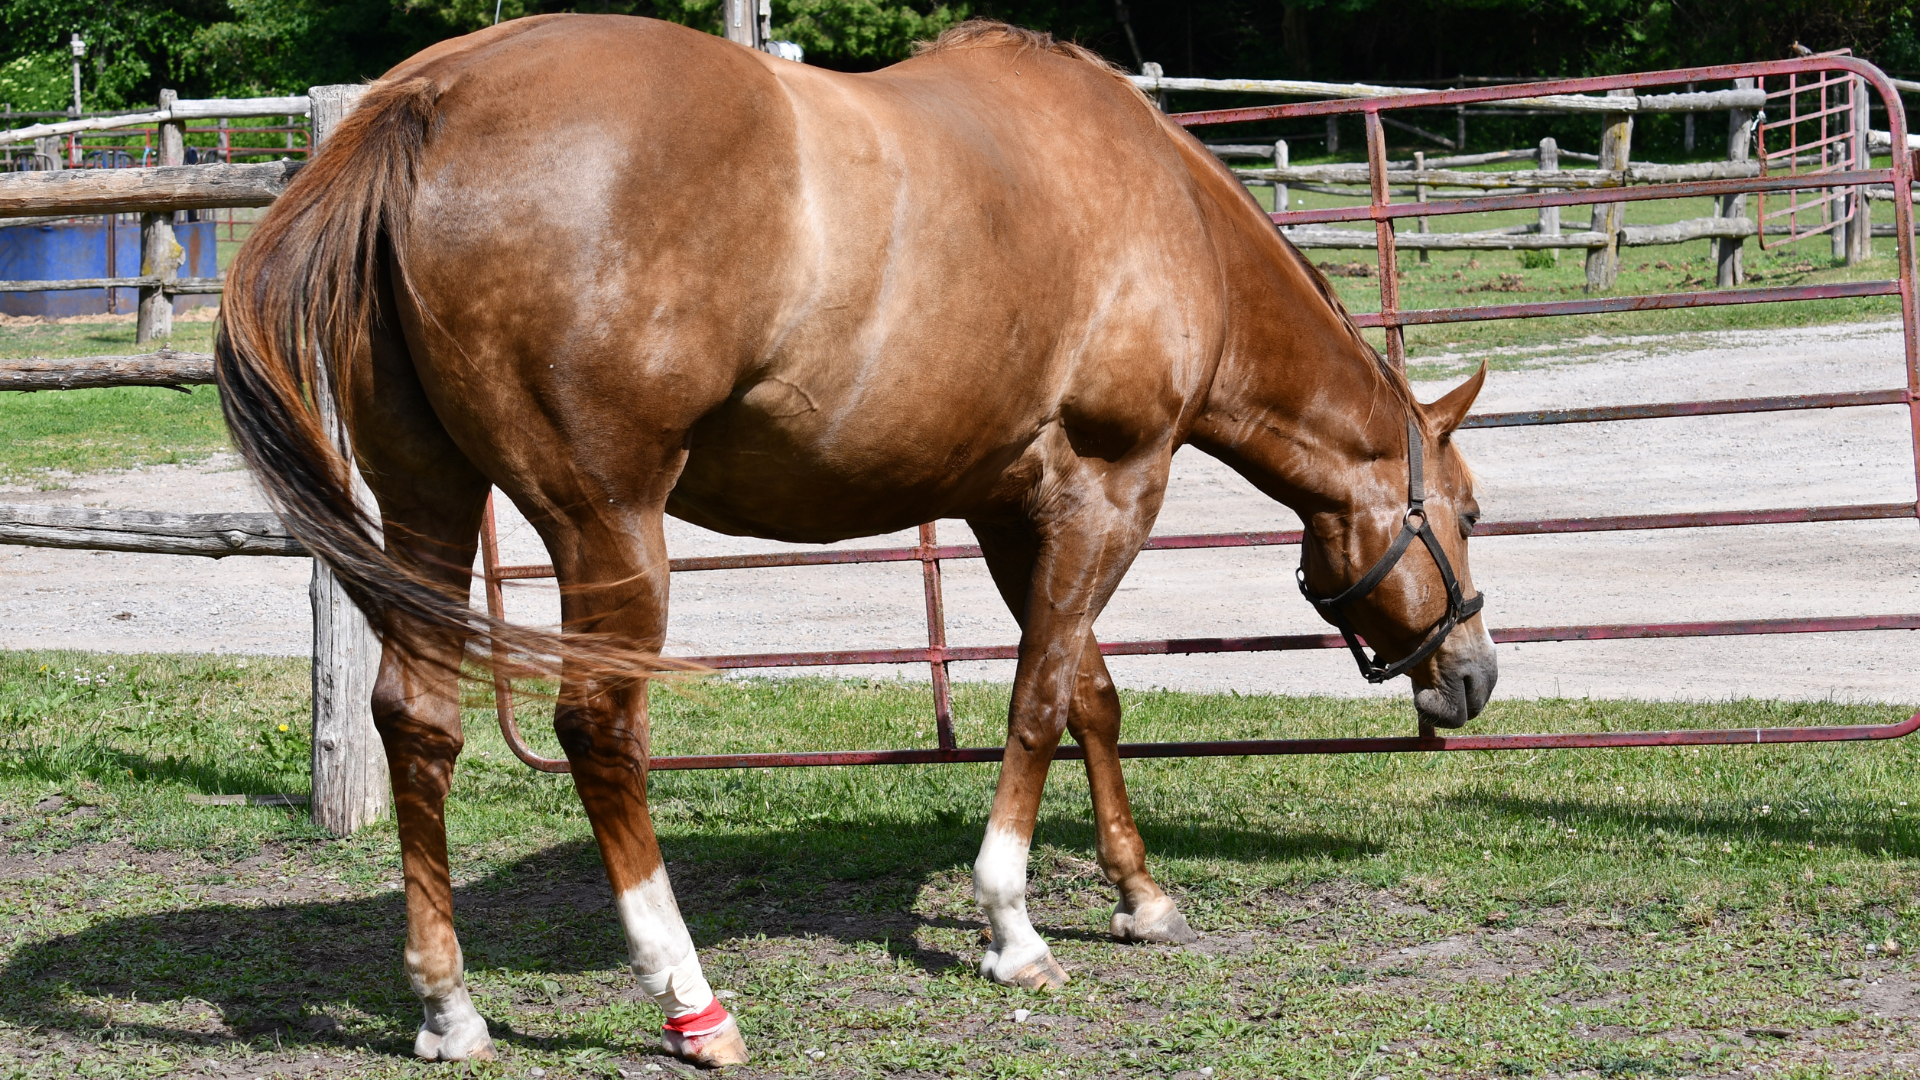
[349, 780]
[1845, 137]
[350, 785]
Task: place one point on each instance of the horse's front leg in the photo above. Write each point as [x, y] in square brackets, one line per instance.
[613, 574]
[1078, 558]
[1144, 911]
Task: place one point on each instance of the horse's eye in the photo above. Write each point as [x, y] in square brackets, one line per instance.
[1468, 521]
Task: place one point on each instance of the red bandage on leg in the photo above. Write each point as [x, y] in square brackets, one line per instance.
[699, 1023]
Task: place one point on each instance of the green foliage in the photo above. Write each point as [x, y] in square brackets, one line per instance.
[859, 31]
[1537, 260]
[35, 82]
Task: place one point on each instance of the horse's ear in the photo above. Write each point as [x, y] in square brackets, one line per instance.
[1447, 413]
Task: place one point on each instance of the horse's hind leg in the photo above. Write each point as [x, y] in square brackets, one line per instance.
[430, 500]
[613, 573]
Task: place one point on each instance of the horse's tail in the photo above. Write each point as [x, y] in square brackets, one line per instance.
[298, 313]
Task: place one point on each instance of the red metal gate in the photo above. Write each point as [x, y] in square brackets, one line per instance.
[1818, 72]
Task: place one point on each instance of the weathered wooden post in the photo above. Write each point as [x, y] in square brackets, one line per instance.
[1860, 229]
[1837, 155]
[1155, 72]
[1281, 158]
[746, 21]
[1739, 140]
[350, 785]
[1686, 121]
[160, 253]
[1616, 147]
[1550, 215]
[1420, 195]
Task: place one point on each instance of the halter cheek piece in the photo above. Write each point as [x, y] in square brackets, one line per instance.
[1458, 608]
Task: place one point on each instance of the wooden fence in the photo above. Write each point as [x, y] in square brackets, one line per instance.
[1607, 231]
[350, 785]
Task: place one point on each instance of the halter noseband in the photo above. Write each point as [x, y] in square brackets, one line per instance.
[1459, 609]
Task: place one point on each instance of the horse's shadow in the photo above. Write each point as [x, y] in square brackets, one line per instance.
[324, 973]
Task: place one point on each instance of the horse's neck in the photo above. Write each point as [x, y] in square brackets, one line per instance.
[1299, 404]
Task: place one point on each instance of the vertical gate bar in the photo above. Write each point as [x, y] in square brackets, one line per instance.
[936, 634]
[496, 607]
[1903, 172]
[1383, 230]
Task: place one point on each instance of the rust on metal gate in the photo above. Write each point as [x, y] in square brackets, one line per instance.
[1841, 174]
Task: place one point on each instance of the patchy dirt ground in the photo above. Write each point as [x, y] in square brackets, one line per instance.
[261, 967]
[132, 603]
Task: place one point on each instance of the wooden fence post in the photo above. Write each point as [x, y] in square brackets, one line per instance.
[350, 785]
[160, 253]
[1860, 229]
[1420, 195]
[1550, 215]
[1616, 147]
[1739, 139]
[742, 19]
[1155, 72]
[1281, 159]
[1835, 155]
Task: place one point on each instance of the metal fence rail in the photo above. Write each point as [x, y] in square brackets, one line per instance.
[1383, 212]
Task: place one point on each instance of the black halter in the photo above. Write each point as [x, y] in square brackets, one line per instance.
[1458, 608]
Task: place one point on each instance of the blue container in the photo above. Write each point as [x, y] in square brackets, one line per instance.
[94, 248]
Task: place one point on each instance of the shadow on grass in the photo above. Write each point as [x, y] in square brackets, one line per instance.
[1781, 825]
[327, 972]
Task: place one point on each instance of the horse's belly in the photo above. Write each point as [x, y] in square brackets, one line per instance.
[752, 491]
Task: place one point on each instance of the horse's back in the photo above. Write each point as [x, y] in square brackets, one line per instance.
[846, 288]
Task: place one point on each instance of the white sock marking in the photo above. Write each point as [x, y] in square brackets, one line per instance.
[660, 948]
[1000, 887]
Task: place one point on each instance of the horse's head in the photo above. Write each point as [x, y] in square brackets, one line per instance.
[1388, 563]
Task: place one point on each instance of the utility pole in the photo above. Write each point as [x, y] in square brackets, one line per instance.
[79, 48]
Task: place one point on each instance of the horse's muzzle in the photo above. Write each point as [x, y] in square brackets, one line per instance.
[1466, 682]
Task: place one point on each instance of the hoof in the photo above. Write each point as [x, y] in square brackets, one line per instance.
[1043, 974]
[1157, 920]
[466, 1042]
[716, 1049]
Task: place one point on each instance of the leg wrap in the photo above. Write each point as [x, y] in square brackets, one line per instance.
[680, 990]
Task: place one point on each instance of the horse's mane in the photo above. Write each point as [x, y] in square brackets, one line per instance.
[1395, 378]
[994, 34]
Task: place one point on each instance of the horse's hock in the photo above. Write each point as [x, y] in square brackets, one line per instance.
[1812, 168]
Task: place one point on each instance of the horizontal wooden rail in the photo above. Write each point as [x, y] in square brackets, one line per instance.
[191, 109]
[147, 531]
[1706, 101]
[163, 368]
[1510, 179]
[183, 286]
[1673, 232]
[156, 190]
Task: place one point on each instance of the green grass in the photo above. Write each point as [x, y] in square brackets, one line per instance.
[1627, 913]
[80, 431]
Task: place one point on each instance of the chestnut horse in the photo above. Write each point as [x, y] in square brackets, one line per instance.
[619, 269]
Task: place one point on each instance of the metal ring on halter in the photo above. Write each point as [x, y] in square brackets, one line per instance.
[1459, 608]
